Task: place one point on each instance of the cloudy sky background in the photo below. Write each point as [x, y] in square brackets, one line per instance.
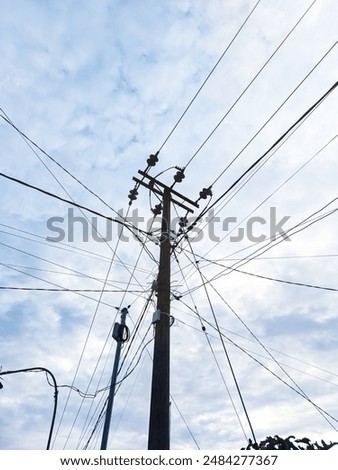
[99, 86]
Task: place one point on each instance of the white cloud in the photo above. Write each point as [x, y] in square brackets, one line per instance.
[99, 86]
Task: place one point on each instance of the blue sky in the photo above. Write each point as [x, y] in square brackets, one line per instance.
[99, 86]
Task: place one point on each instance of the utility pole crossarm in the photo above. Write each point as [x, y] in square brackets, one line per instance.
[157, 191]
[172, 191]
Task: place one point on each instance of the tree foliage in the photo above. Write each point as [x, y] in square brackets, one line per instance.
[288, 443]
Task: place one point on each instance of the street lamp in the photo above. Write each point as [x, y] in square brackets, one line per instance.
[40, 369]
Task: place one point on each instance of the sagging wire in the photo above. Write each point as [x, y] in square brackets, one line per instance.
[225, 350]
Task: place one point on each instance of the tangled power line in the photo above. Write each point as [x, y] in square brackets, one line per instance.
[137, 350]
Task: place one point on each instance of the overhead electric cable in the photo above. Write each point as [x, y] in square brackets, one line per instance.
[284, 364]
[304, 224]
[277, 110]
[226, 352]
[259, 160]
[99, 302]
[75, 204]
[64, 189]
[109, 333]
[229, 340]
[278, 141]
[98, 422]
[284, 382]
[271, 355]
[245, 351]
[57, 285]
[127, 373]
[196, 312]
[276, 240]
[92, 211]
[248, 177]
[185, 422]
[273, 192]
[286, 257]
[63, 246]
[53, 263]
[209, 75]
[65, 289]
[46, 371]
[250, 84]
[268, 278]
[112, 283]
[28, 140]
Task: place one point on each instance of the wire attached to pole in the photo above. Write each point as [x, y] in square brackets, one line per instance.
[41, 369]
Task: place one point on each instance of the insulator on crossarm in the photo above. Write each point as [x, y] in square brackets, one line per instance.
[152, 160]
[132, 195]
[157, 209]
[205, 193]
[179, 175]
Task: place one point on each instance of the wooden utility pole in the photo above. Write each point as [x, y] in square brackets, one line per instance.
[159, 409]
[159, 425]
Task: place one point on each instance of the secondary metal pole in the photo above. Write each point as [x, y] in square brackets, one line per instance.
[118, 334]
[159, 438]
